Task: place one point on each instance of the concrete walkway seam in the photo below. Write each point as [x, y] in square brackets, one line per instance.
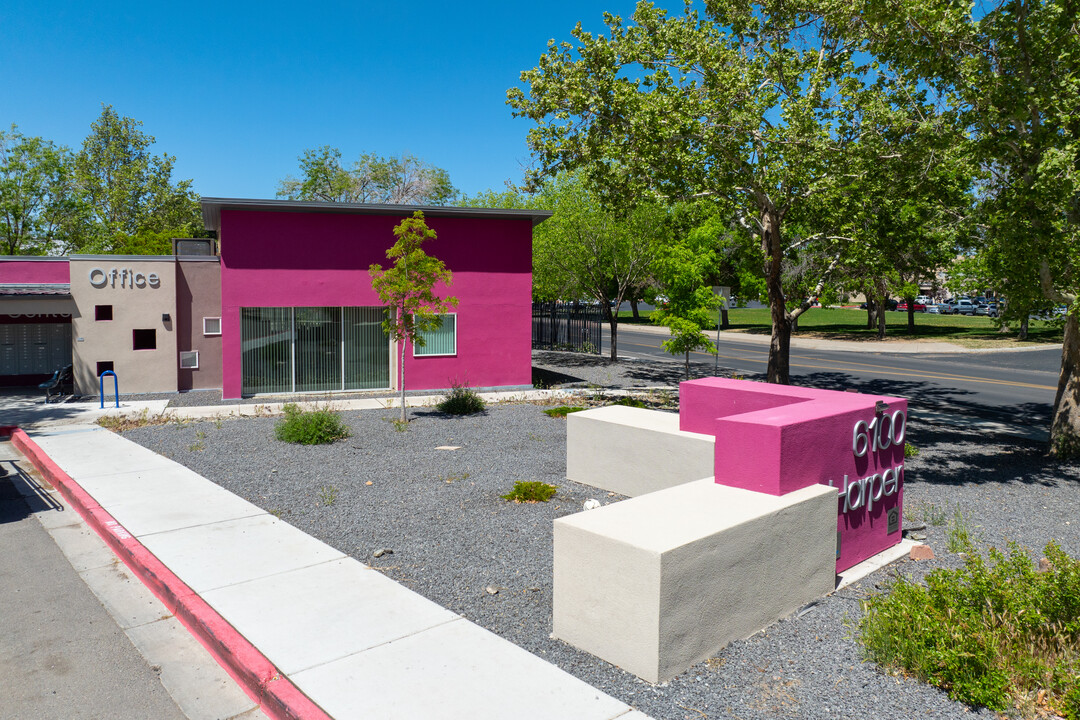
[253, 672]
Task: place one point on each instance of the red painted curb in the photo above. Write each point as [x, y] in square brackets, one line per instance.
[277, 695]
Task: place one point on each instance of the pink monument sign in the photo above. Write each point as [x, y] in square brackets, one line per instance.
[778, 438]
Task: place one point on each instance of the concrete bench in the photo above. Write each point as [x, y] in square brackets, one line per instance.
[633, 451]
[657, 583]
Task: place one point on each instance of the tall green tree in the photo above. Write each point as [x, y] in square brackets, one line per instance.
[682, 270]
[404, 180]
[408, 288]
[588, 251]
[756, 102]
[34, 192]
[1009, 71]
[125, 194]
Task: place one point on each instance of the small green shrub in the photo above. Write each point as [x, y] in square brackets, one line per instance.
[630, 402]
[312, 427]
[910, 451]
[530, 491]
[995, 633]
[562, 411]
[461, 400]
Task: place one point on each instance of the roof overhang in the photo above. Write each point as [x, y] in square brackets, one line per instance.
[212, 207]
[35, 290]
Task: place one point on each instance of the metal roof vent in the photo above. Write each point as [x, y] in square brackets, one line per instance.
[194, 246]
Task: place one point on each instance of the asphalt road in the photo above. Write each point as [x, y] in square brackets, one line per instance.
[62, 656]
[1009, 385]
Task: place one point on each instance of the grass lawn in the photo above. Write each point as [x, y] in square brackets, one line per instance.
[850, 324]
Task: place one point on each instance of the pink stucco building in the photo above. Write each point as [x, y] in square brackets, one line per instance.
[282, 303]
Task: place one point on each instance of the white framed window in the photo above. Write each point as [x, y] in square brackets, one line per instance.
[211, 326]
[189, 360]
[442, 341]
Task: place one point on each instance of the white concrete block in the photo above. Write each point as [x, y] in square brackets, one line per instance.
[633, 451]
[657, 583]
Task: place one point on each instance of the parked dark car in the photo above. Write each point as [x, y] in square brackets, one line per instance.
[890, 304]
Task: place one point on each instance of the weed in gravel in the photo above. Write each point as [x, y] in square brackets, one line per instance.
[530, 491]
[218, 422]
[910, 451]
[310, 427]
[453, 478]
[122, 423]
[461, 400]
[399, 424]
[996, 632]
[629, 401]
[198, 445]
[328, 495]
[562, 411]
[959, 534]
[926, 512]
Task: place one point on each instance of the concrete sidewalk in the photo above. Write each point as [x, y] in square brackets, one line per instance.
[868, 345]
[311, 632]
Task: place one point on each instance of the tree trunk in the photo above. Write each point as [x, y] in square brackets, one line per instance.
[613, 324]
[634, 308]
[871, 318]
[780, 344]
[910, 314]
[881, 318]
[1065, 426]
[780, 352]
[401, 379]
[687, 364]
[795, 324]
[1022, 335]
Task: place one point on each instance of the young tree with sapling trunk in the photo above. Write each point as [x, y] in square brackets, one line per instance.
[408, 289]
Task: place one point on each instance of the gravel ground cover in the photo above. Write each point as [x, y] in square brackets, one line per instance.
[455, 541]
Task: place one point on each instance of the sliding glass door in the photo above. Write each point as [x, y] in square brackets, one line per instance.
[314, 349]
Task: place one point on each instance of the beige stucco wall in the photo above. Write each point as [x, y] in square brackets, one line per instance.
[137, 304]
[198, 297]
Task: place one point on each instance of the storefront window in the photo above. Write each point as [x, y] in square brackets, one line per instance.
[367, 349]
[266, 339]
[316, 349]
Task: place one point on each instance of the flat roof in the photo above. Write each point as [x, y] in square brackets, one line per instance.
[212, 207]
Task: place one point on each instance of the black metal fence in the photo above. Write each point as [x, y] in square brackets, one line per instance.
[567, 326]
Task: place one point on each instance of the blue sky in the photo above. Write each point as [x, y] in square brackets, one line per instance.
[236, 91]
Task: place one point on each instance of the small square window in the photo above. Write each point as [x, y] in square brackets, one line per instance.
[144, 339]
[211, 326]
[441, 341]
[189, 360]
[104, 366]
[103, 312]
